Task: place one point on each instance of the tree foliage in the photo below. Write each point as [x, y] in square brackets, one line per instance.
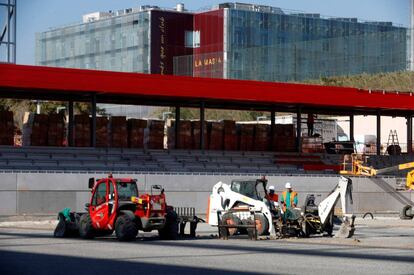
[19, 107]
[212, 114]
[397, 81]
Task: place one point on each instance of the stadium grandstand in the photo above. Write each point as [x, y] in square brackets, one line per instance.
[41, 177]
[31, 82]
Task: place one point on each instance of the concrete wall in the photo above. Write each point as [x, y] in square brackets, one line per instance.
[48, 193]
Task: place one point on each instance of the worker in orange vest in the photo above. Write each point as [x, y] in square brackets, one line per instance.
[289, 197]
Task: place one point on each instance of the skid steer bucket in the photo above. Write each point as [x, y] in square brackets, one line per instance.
[346, 229]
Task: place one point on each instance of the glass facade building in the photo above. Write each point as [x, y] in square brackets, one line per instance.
[140, 40]
[265, 43]
[119, 43]
[236, 41]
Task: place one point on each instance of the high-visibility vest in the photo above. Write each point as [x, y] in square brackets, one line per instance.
[273, 197]
[293, 195]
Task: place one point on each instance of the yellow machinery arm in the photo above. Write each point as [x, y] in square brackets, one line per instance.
[409, 184]
[395, 168]
[358, 169]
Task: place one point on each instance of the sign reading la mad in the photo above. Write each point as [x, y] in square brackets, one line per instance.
[207, 62]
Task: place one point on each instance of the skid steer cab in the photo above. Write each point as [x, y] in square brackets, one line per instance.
[116, 205]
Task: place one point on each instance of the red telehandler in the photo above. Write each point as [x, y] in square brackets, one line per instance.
[116, 205]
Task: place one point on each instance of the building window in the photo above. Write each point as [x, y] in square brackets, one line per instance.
[192, 39]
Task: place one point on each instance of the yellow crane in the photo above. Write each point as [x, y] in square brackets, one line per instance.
[356, 167]
[359, 169]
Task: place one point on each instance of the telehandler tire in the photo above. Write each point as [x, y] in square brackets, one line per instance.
[60, 230]
[126, 229]
[170, 229]
[86, 230]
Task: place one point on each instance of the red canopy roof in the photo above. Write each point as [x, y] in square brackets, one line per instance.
[34, 81]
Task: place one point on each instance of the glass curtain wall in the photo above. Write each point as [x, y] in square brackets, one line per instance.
[281, 47]
[119, 43]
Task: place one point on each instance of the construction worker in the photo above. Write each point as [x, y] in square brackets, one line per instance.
[272, 196]
[289, 197]
[310, 122]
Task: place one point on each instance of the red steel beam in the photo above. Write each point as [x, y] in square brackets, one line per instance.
[35, 78]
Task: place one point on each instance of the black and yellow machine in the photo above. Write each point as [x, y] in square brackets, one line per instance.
[354, 165]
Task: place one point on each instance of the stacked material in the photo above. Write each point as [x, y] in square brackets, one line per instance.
[230, 135]
[155, 137]
[102, 132]
[6, 128]
[246, 134]
[195, 127]
[184, 138]
[56, 133]
[119, 132]
[40, 130]
[215, 133]
[284, 138]
[312, 145]
[136, 129]
[261, 137]
[82, 131]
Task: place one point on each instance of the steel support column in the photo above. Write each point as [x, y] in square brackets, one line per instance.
[272, 128]
[409, 134]
[177, 127]
[8, 29]
[93, 122]
[378, 133]
[351, 128]
[202, 126]
[15, 31]
[71, 142]
[299, 130]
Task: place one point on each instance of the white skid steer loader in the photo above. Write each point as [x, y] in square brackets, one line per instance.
[242, 205]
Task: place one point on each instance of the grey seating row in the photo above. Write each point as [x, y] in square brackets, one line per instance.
[115, 159]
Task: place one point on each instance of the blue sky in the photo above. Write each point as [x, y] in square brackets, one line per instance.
[39, 15]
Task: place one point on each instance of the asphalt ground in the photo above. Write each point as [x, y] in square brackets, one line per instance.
[383, 246]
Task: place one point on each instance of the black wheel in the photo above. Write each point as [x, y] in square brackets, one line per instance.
[406, 213]
[230, 219]
[329, 225]
[329, 229]
[126, 229]
[86, 229]
[368, 214]
[170, 230]
[262, 225]
[60, 229]
[305, 229]
[250, 231]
